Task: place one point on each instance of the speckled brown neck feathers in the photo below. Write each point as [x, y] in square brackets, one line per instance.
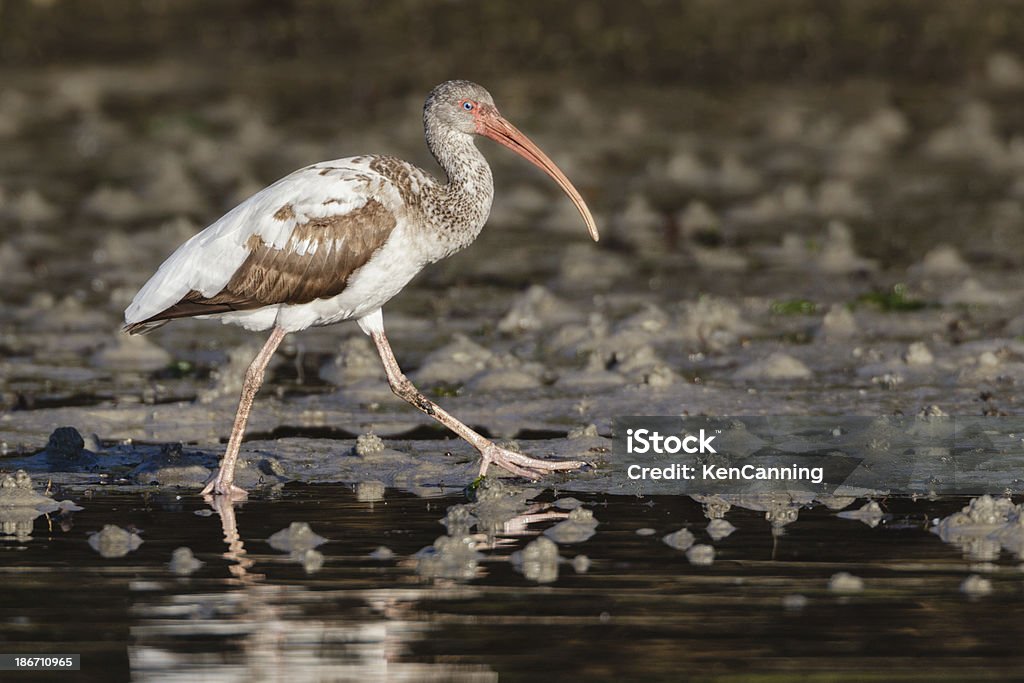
[457, 212]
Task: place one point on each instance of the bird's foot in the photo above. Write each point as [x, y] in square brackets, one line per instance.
[220, 487]
[523, 465]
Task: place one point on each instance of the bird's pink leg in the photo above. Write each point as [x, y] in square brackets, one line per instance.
[223, 483]
[516, 463]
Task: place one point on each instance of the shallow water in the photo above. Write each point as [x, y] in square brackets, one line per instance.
[640, 611]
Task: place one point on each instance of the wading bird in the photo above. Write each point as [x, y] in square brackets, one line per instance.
[336, 241]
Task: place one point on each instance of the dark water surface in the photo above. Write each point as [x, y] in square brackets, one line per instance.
[641, 611]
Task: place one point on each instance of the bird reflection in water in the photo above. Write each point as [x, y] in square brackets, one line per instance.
[262, 629]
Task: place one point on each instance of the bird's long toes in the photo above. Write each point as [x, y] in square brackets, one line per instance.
[228, 491]
[515, 469]
[527, 467]
[563, 465]
[236, 493]
[544, 465]
[526, 473]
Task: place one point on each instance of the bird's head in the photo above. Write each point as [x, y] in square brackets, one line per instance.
[468, 108]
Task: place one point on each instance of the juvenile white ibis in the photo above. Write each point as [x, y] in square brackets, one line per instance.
[336, 241]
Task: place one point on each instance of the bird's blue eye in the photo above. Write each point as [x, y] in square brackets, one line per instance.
[468, 106]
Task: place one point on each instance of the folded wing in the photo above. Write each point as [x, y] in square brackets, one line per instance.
[298, 240]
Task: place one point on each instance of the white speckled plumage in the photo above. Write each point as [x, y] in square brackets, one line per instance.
[336, 241]
[207, 261]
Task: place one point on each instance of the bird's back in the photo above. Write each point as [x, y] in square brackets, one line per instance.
[295, 241]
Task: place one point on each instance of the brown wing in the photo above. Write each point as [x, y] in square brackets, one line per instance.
[315, 263]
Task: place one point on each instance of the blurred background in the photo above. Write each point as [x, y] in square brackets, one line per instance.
[785, 156]
[401, 44]
[653, 104]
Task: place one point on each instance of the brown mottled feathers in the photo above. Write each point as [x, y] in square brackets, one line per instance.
[270, 276]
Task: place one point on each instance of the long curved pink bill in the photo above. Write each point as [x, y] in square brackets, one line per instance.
[497, 128]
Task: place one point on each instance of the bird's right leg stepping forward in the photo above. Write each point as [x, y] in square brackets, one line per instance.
[490, 453]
